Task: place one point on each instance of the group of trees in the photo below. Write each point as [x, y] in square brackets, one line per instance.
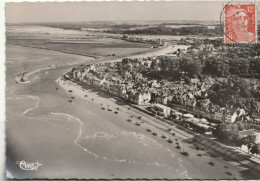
[234, 92]
[212, 66]
[166, 30]
[229, 133]
[242, 67]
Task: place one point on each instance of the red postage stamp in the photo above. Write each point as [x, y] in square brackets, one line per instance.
[240, 23]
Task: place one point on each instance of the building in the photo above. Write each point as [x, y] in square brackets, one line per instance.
[163, 110]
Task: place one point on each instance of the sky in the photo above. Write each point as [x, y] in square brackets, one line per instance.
[31, 12]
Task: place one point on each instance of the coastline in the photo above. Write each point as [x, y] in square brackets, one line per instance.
[24, 77]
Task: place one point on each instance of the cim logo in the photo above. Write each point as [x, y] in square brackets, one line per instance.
[28, 166]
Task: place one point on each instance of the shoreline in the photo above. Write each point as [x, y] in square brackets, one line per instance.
[213, 148]
[24, 77]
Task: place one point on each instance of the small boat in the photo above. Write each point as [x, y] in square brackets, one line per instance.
[109, 109]
[229, 173]
[185, 153]
[86, 95]
[117, 108]
[163, 136]
[129, 120]
[149, 130]
[212, 163]
[116, 112]
[72, 97]
[199, 154]
[225, 166]
[70, 100]
[70, 90]
[169, 141]
[103, 108]
[137, 124]
[155, 134]
[139, 117]
[178, 147]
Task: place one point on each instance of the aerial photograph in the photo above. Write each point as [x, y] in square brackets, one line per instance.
[132, 90]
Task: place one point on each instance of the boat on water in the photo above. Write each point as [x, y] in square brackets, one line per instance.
[137, 124]
[170, 141]
[149, 130]
[185, 153]
[163, 136]
[212, 163]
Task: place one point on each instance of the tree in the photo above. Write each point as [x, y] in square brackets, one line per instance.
[216, 67]
[190, 66]
[226, 132]
[241, 126]
[255, 149]
[249, 141]
[187, 79]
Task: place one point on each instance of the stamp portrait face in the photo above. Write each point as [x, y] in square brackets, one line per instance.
[240, 23]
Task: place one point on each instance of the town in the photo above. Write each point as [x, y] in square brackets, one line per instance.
[191, 87]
